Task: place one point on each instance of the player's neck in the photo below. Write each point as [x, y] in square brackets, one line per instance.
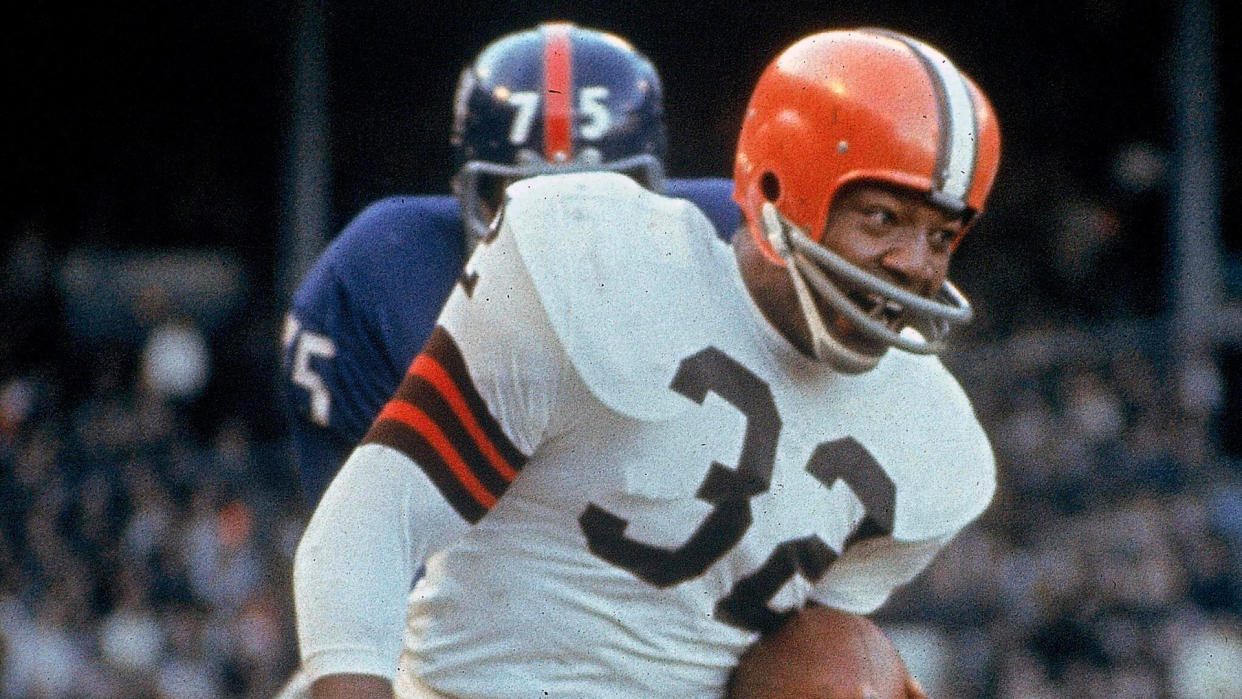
[769, 287]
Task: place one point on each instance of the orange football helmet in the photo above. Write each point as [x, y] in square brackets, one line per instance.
[846, 106]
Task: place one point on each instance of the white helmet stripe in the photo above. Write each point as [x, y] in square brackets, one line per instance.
[959, 138]
[963, 146]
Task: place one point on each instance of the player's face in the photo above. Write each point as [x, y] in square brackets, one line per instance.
[895, 234]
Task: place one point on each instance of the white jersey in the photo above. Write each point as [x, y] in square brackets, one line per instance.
[652, 474]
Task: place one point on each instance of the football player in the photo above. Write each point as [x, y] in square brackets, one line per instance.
[554, 98]
[628, 448]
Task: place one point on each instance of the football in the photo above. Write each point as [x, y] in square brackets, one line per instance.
[822, 653]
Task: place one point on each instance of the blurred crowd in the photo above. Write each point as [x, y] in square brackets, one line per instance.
[150, 512]
[148, 521]
[1110, 564]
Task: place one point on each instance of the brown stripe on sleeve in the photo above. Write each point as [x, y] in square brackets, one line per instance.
[441, 347]
[418, 390]
[418, 447]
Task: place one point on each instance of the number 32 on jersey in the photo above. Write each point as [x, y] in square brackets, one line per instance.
[729, 491]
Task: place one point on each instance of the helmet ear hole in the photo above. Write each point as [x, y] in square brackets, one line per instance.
[770, 186]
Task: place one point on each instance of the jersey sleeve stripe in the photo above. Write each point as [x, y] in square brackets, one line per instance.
[441, 347]
[443, 457]
[417, 391]
[429, 369]
[413, 445]
[438, 419]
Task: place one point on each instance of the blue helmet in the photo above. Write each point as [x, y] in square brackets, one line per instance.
[556, 98]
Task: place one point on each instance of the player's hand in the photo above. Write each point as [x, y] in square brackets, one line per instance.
[351, 687]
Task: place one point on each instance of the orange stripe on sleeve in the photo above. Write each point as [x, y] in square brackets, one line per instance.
[410, 416]
[428, 368]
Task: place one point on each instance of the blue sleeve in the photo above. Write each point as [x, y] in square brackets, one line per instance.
[714, 196]
[359, 318]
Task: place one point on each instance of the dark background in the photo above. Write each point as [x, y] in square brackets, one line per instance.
[154, 123]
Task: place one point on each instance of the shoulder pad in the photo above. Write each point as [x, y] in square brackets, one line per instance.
[623, 275]
[400, 221]
[391, 233]
[957, 475]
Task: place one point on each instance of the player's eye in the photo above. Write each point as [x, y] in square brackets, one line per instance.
[879, 216]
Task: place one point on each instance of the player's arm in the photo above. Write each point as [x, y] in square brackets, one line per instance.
[334, 379]
[357, 320]
[355, 563]
[473, 404]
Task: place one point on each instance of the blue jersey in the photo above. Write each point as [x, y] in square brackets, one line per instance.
[368, 305]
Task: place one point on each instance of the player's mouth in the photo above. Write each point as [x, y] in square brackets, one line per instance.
[883, 309]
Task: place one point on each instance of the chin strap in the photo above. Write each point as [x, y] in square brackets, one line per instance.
[824, 345]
